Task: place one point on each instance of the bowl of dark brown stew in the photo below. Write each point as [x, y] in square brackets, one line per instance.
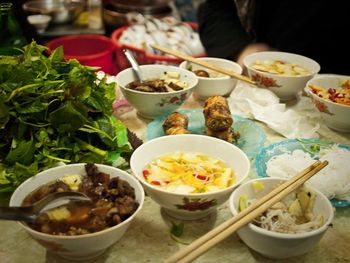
[82, 231]
[163, 90]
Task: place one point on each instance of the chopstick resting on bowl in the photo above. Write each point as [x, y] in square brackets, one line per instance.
[207, 241]
[203, 63]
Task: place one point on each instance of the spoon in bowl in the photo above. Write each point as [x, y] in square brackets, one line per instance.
[134, 65]
[31, 213]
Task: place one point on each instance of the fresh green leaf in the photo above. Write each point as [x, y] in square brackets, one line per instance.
[68, 118]
[54, 111]
[4, 114]
[177, 229]
[9, 60]
[57, 55]
[23, 153]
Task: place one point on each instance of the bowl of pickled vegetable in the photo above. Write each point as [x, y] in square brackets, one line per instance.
[283, 73]
[163, 89]
[189, 175]
[331, 97]
[81, 232]
[291, 227]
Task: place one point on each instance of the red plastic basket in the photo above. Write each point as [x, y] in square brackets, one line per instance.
[141, 55]
[89, 50]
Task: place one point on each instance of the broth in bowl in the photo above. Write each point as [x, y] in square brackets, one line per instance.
[280, 67]
[188, 173]
[291, 215]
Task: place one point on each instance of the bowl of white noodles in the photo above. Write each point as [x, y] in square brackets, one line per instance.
[291, 227]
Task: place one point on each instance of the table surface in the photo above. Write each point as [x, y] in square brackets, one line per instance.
[148, 238]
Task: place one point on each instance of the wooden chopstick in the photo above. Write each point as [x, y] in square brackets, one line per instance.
[203, 63]
[204, 243]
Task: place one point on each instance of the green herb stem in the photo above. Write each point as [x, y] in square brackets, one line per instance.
[57, 158]
[93, 148]
[90, 128]
[19, 90]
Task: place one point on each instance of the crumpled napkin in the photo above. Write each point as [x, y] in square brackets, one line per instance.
[300, 120]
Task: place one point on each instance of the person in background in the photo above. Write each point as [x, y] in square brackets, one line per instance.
[187, 9]
[233, 29]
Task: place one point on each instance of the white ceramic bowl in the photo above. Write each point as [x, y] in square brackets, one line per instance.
[152, 104]
[40, 22]
[285, 87]
[279, 245]
[221, 86]
[336, 116]
[81, 247]
[173, 203]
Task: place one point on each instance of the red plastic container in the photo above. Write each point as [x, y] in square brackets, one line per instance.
[140, 55]
[89, 50]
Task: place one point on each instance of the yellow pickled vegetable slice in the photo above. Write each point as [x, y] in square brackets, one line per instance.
[242, 203]
[258, 186]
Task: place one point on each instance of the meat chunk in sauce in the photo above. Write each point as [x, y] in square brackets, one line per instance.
[157, 85]
[113, 201]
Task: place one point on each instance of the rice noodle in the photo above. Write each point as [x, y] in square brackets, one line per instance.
[333, 180]
[279, 220]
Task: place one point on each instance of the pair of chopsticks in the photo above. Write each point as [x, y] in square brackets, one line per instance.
[207, 241]
[203, 63]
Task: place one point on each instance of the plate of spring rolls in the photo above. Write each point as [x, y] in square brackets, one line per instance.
[213, 120]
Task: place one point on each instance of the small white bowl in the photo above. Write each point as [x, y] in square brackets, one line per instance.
[40, 22]
[273, 244]
[80, 247]
[174, 203]
[336, 116]
[220, 86]
[285, 87]
[152, 104]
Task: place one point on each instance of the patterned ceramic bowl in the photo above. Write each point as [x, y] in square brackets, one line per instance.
[189, 206]
[152, 104]
[274, 244]
[286, 87]
[217, 84]
[334, 114]
[79, 247]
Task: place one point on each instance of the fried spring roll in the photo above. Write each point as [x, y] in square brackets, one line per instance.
[176, 123]
[228, 135]
[217, 114]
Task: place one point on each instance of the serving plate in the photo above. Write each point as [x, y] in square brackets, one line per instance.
[252, 137]
[311, 146]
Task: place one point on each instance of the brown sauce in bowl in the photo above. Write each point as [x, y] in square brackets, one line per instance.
[113, 201]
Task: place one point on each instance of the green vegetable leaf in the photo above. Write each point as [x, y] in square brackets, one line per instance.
[23, 153]
[54, 111]
[4, 114]
[176, 231]
[68, 118]
[9, 60]
[79, 83]
[57, 55]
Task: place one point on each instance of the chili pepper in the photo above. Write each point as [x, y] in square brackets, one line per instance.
[145, 173]
[155, 182]
[202, 177]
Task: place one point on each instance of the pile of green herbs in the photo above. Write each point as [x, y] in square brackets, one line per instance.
[54, 111]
